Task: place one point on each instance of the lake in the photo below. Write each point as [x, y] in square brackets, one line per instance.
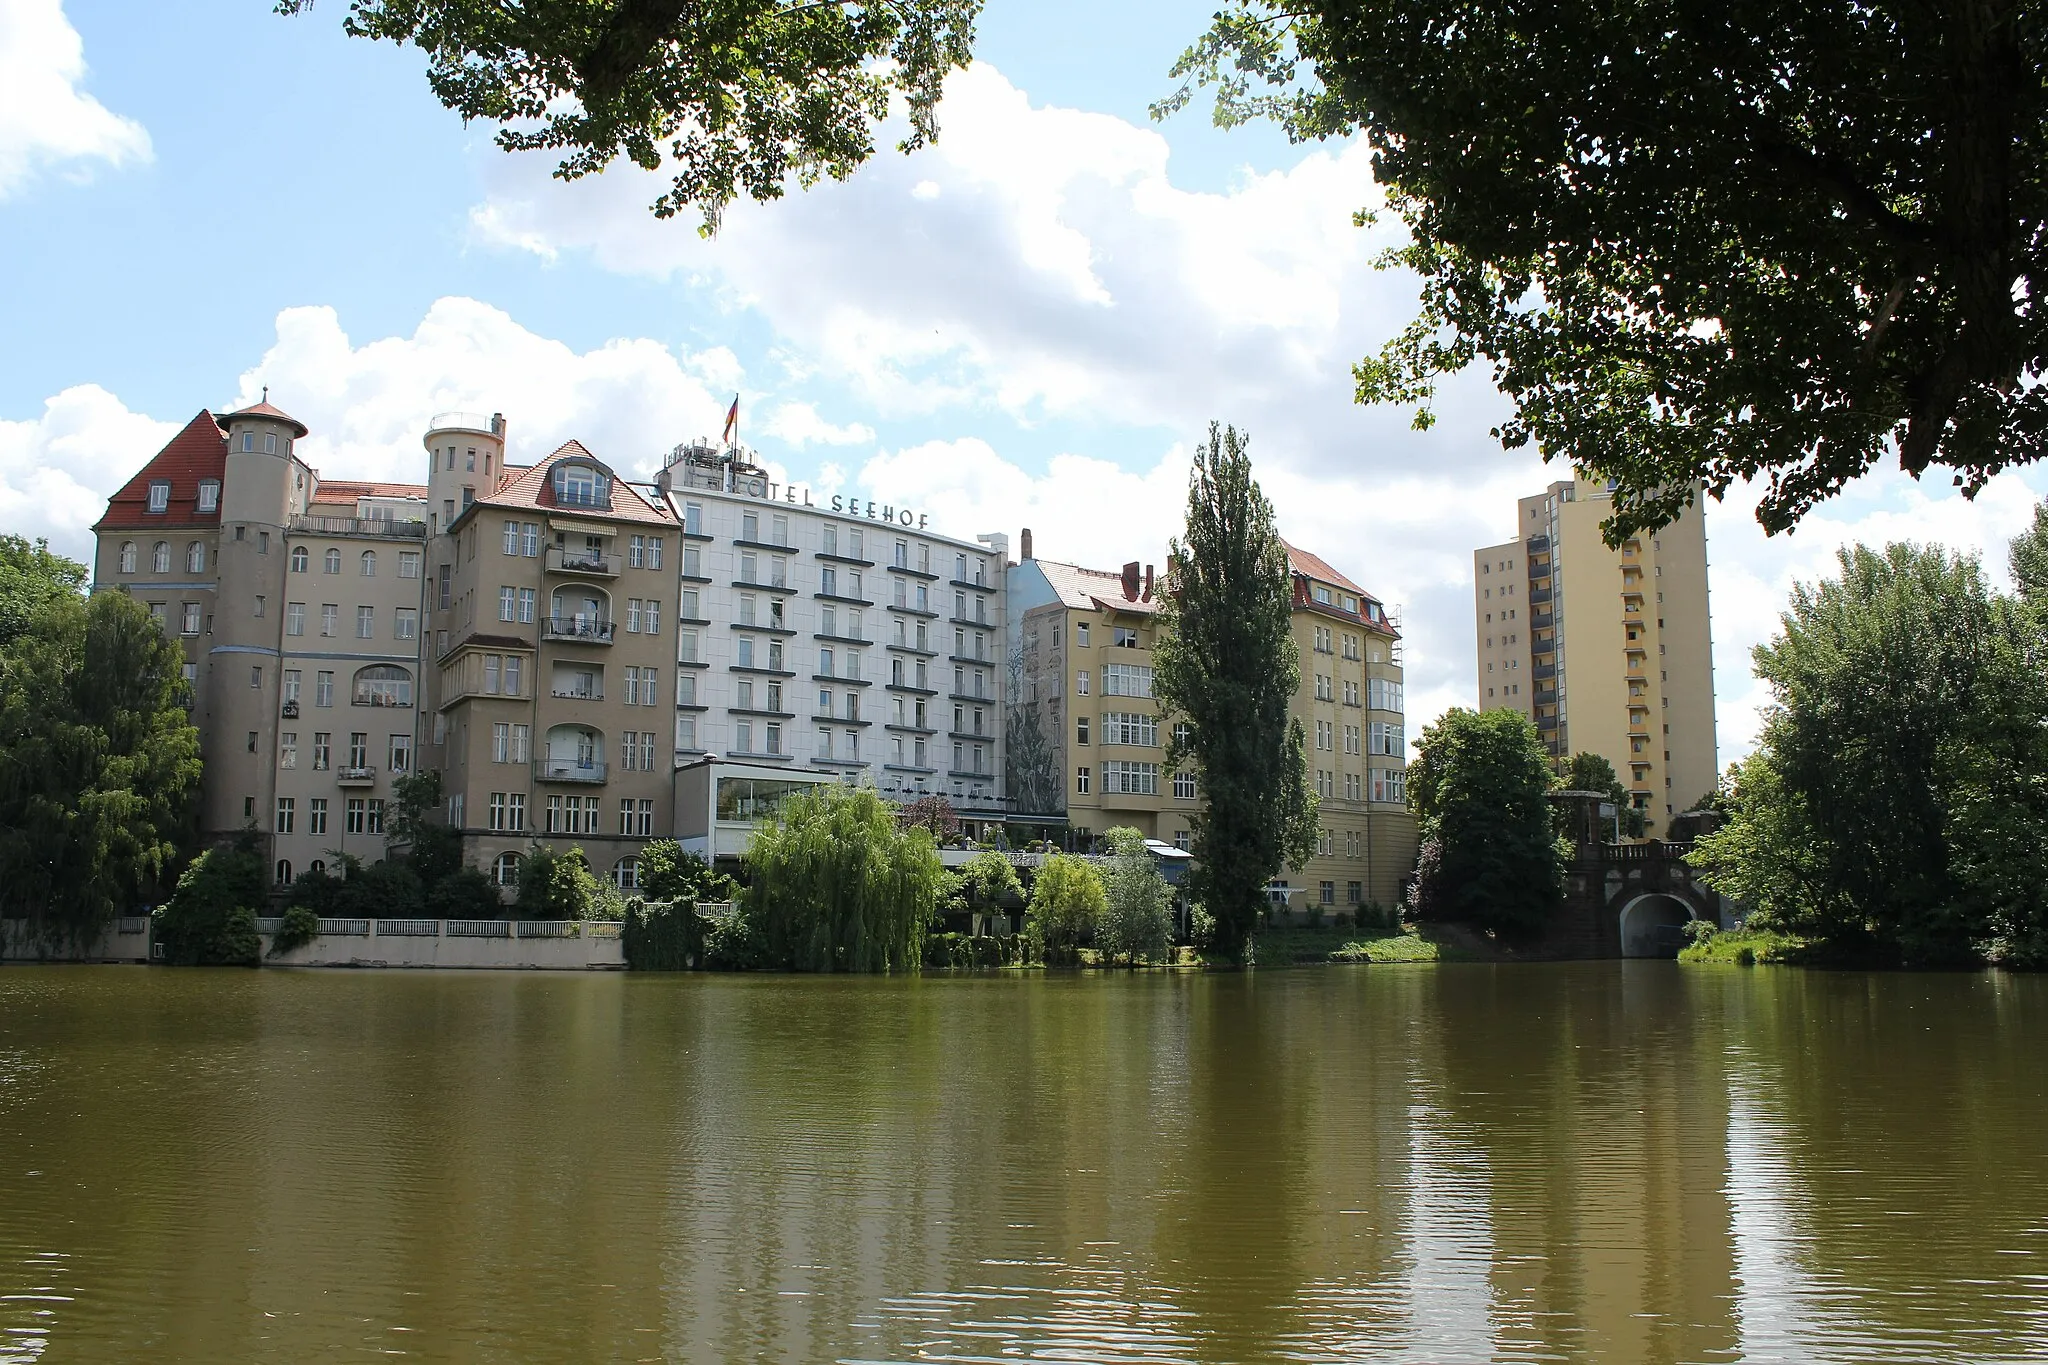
[1632, 1161]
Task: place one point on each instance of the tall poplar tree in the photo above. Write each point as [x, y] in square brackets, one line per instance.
[1226, 664]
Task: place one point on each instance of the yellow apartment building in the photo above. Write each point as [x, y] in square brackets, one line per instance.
[1607, 650]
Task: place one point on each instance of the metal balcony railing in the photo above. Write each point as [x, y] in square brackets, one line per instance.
[568, 770]
[582, 630]
[562, 560]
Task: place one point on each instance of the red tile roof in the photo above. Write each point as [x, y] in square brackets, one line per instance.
[198, 452]
[532, 489]
[1314, 566]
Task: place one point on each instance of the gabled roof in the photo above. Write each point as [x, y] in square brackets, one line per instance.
[198, 452]
[1309, 569]
[1091, 589]
[533, 489]
[1314, 566]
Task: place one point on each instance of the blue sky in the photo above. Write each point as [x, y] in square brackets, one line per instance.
[1027, 324]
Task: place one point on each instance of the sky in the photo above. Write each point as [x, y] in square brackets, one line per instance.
[1030, 323]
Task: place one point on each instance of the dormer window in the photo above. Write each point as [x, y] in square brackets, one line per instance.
[1322, 594]
[579, 485]
[209, 495]
[160, 496]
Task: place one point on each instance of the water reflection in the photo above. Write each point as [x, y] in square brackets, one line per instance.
[1596, 1162]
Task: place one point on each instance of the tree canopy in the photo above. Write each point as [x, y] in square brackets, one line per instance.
[1896, 806]
[1067, 899]
[838, 886]
[732, 96]
[99, 762]
[32, 577]
[1479, 787]
[1590, 772]
[1226, 665]
[1696, 242]
[1135, 923]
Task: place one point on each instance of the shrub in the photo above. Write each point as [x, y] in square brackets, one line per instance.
[663, 936]
[1067, 899]
[968, 951]
[468, 893]
[210, 920]
[301, 926]
[733, 943]
[555, 885]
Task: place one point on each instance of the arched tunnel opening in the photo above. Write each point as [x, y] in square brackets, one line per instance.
[1654, 926]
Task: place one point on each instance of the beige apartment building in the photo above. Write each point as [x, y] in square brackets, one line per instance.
[1351, 706]
[297, 603]
[550, 682]
[1607, 650]
[1083, 681]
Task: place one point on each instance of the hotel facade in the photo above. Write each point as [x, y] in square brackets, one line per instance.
[1606, 649]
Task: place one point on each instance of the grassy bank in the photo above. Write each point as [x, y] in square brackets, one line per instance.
[1745, 948]
[1300, 944]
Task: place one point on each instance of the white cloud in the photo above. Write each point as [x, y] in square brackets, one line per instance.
[1039, 263]
[800, 425]
[45, 118]
[57, 470]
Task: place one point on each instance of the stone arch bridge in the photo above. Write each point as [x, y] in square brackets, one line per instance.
[1627, 900]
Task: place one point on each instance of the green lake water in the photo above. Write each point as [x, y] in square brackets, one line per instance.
[1603, 1161]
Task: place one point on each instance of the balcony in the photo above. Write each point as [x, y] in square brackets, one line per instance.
[587, 563]
[577, 630]
[569, 770]
[1546, 645]
[291, 710]
[1542, 671]
[352, 776]
[1538, 596]
[1542, 620]
[379, 528]
[577, 693]
[1537, 545]
[1546, 696]
[1547, 722]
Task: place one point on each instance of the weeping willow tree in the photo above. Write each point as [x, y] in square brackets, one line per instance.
[838, 886]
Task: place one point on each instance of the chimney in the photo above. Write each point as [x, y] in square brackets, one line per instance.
[1148, 582]
[498, 425]
[1131, 581]
[1024, 545]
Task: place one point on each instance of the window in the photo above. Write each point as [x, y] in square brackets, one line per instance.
[1385, 695]
[405, 624]
[399, 754]
[1081, 683]
[686, 732]
[1126, 680]
[626, 872]
[515, 812]
[1387, 739]
[1080, 729]
[369, 562]
[209, 495]
[127, 556]
[286, 813]
[505, 871]
[1136, 779]
[1354, 893]
[383, 685]
[496, 819]
[195, 557]
[316, 815]
[1389, 784]
[323, 688]
[299, 559]
[295, 618]
[256, 677]
[191, 622]
[160, 557]
[1326, 892]
[159, 496]
[366, 622]
[256, 608]
[528, 598]
[408, 564]
[579, 485]
[1184, 786]
[331, 562]
[1126, 727]
[1126, 638]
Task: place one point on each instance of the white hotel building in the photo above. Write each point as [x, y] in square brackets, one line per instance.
[827, 635]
